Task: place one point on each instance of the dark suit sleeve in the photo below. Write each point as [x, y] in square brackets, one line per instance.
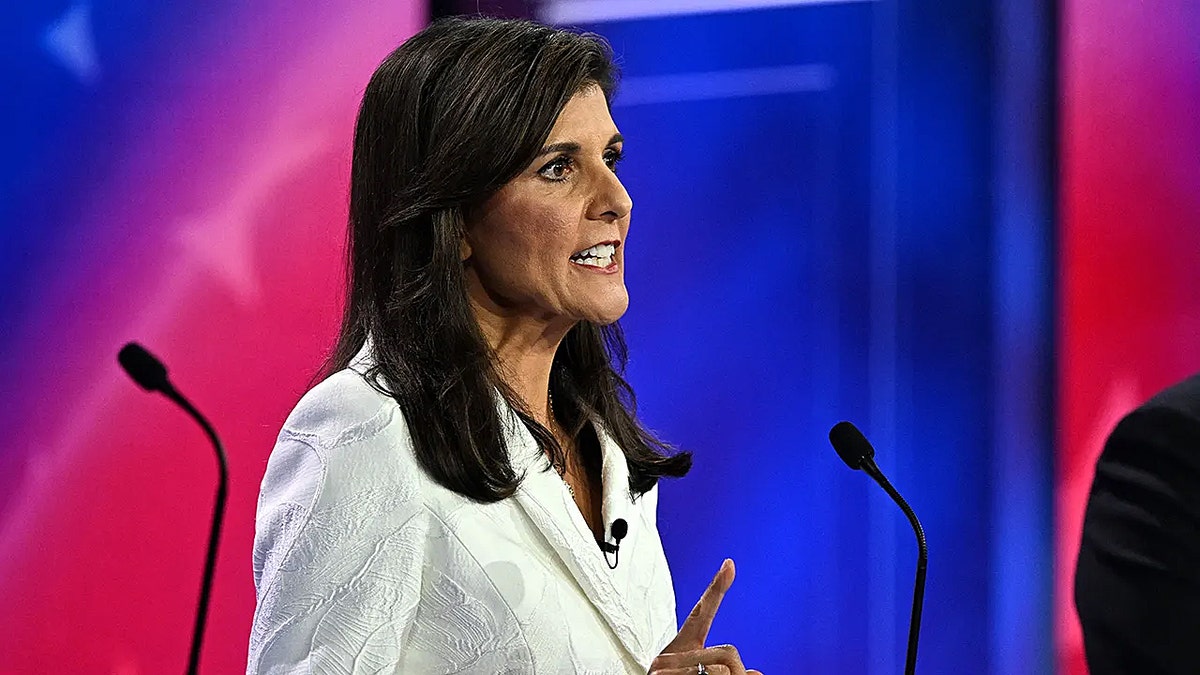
[1137, 583]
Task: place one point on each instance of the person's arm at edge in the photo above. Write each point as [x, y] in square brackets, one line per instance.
[1137, 585]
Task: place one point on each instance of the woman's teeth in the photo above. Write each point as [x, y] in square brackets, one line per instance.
[593, 261]
[600, 255]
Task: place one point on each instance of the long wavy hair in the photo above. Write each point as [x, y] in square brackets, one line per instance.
[448, 118]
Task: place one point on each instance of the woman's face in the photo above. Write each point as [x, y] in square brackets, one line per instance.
[550, 243]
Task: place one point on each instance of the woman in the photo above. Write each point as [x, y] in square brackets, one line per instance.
[443, 501]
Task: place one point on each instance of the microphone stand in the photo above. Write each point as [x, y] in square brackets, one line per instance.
[856, 451]
[214, 533]
[151, 375]
[914, 622]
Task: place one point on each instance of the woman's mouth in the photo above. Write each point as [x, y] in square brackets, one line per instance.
[599, 257]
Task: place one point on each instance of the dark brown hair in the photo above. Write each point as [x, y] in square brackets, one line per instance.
[448, 118]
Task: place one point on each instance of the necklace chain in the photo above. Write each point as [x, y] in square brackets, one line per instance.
[559, 467]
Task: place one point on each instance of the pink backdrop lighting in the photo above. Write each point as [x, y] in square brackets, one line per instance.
[1130, 246]
[214, 237]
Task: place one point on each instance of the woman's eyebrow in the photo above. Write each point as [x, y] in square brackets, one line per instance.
[571, 147]
[566, 147]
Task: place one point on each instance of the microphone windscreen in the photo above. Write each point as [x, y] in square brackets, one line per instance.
[851, 445]
[620, 528]
[141, 365]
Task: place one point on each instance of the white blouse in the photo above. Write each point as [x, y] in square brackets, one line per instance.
[363, 564]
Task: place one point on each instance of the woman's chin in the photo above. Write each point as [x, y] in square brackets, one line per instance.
[607, 312]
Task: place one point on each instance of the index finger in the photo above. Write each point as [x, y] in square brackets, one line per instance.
[695, 628]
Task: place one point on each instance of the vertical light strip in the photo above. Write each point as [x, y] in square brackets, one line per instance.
[826, 362]
[1019, 640]
[881, 358]
[573, 12]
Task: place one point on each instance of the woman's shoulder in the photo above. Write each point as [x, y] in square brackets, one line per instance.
[344, 409]
[345, 431]
[344, 440]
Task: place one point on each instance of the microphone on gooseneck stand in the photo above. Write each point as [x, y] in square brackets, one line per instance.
[619, 529]
[151, 374]
[856, 451]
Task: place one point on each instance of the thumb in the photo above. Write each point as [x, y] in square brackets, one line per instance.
[695, 628]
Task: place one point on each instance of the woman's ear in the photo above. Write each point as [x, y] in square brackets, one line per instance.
[465, 216]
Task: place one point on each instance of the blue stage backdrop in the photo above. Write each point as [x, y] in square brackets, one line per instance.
[834, 220]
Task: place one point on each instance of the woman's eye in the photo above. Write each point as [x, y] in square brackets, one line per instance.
[612, 158]
[557, 170]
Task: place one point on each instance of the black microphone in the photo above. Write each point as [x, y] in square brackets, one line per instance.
[856, 451]
[619, 529]
[151, 374]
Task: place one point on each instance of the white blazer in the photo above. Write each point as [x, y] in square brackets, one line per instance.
[363, 564]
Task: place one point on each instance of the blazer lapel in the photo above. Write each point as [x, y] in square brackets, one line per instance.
[545, 499]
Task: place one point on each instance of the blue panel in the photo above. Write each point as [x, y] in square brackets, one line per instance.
[814, 240]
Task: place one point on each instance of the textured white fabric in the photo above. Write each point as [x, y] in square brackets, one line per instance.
[365, 565]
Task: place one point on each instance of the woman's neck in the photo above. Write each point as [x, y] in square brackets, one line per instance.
[525, 349]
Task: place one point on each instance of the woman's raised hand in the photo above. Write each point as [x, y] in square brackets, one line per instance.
[687, 652]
